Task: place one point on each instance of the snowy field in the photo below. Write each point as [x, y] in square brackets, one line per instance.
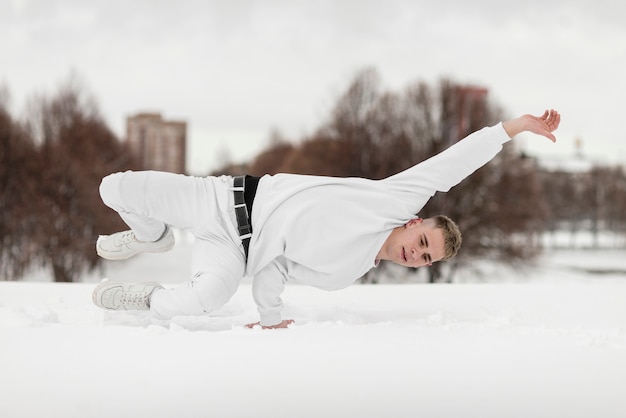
[542, 341]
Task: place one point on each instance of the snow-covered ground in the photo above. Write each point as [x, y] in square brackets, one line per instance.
[541, 341]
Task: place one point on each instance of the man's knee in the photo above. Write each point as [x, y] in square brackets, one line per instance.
[110, 189]
[197, 297]
[214, 292]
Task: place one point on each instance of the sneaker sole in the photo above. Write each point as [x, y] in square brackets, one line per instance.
[125, 256]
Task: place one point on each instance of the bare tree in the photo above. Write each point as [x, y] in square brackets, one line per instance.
[272, 160]
[349, 123]
[18, 184]
[318, 156]
[77, 149]
[605, 192]
[565, 194]
[616, 201]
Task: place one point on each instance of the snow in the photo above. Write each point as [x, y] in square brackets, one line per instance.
[543, 341]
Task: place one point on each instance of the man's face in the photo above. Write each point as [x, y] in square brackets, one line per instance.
[418, 243]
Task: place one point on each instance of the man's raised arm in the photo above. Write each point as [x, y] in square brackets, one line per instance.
[448, 168]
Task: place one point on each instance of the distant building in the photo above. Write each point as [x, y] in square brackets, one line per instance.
[157, 143]
[470, 106]
[575, 162]
[566, 163]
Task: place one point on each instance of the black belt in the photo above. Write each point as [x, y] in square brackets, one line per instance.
[244, 189]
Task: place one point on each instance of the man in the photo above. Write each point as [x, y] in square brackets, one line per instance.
[322, 231]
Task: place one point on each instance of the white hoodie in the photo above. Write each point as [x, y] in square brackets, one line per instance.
[326, 231]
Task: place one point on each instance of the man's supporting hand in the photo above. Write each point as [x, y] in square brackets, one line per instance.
[284, 324]
[542, 125]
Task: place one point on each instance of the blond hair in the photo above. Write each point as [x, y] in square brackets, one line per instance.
[451, 235]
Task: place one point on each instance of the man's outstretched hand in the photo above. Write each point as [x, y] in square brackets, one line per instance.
[284, 324]
[542, 125]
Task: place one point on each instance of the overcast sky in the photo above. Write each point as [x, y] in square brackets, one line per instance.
[234, 69]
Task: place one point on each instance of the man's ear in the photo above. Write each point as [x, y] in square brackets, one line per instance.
[414, 221]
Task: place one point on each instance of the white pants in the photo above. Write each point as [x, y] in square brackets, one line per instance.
[148, 200]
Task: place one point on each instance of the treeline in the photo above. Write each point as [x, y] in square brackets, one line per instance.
[51, 164]
[52, 161]
[592, 201]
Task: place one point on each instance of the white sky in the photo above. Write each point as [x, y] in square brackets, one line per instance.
[234, 70]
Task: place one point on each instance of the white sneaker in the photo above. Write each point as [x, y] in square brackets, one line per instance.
[124, 296]
[123, 245]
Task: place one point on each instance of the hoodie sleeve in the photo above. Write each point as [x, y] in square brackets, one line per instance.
[267, 286]
[448, 168]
